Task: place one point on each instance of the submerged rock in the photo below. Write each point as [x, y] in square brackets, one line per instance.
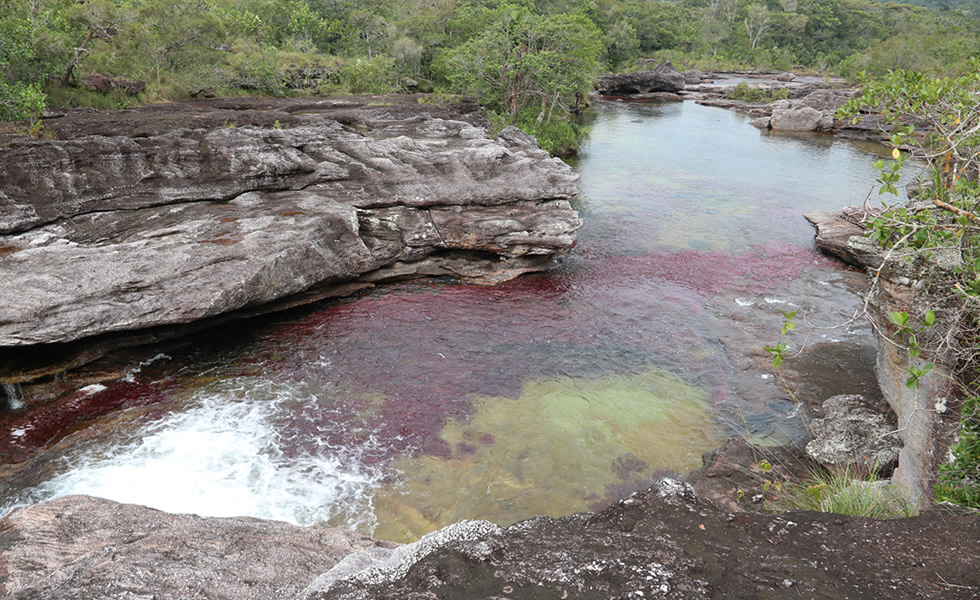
[170, 221]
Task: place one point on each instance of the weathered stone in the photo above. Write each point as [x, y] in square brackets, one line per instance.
[668, 543]
[692, 77]
[181, 225]
[853, 436]
[841, 237]
[796, 119]
[825, 101]
[663, 78]
[81, 548]
[662, 543]
[761, 122]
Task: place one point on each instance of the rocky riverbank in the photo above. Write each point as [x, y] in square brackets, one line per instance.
[159, 220]
[662, 543]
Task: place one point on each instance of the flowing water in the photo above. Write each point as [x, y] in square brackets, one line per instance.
[419, 404]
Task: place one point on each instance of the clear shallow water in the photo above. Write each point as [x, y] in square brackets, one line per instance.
[420, 404]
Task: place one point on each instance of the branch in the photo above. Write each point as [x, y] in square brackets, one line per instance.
[954, 209]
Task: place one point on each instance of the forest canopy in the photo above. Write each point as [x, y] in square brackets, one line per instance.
[529, 61]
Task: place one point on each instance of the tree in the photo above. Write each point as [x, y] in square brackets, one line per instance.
[526, 60]
[18, 99]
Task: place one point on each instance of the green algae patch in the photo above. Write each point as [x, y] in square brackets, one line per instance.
[565, 445]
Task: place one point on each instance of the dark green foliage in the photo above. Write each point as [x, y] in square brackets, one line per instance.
[959, 479]
[743, 91]
[20, 97]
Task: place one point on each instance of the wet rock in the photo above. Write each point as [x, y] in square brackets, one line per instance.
[840, 234]
[668, 543]
[852, 435]
[150, 225]
[926, 433]
[79, 548]
[662, 78]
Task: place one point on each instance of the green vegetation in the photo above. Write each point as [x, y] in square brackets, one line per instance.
[935, 237]
[742, 91]
[530, 62]
[842, 491]
[959, 479]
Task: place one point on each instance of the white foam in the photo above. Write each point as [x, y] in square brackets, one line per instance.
[223, 457]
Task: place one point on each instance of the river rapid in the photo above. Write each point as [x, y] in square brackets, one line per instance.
[410, 407]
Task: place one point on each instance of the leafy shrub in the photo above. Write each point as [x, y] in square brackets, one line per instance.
[959, 479]
[743, 91]
[369, 76]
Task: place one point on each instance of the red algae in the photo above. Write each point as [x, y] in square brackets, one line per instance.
[33, 430]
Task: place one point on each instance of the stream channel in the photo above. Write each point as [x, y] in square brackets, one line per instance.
[415, 405]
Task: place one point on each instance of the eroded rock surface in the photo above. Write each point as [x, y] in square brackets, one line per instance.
[662, 78]
[852, 435]
[662, 543]
[668, 543]
[146, 225]
[82, 548]
[927, 426]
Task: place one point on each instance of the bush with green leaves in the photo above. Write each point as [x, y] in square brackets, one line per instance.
[959, 479]
[743, 91]
[18, 99]
[936, 235]
[524, 61]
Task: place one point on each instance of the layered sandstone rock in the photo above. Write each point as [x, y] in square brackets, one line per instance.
[147, 225]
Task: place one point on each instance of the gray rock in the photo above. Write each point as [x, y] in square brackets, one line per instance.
[796, 119]
[662, 78]
[825, 101]
[80, 548]
[692, 77]
[120, 233]
[668, 543]
[661, 543]
[852, 435]
[376, 566]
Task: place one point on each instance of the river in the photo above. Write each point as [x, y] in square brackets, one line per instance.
[416, 405]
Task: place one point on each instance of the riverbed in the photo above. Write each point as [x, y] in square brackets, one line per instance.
[415, 405]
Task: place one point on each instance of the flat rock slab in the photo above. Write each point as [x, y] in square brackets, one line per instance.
[661, 543]
[83, 548]
[175, 218]
[667, 543]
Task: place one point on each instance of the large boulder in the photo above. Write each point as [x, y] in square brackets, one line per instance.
[136, 229]
[662, 78]
[796, 119]
[81, 548]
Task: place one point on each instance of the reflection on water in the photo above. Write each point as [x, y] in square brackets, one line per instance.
[408, 408]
